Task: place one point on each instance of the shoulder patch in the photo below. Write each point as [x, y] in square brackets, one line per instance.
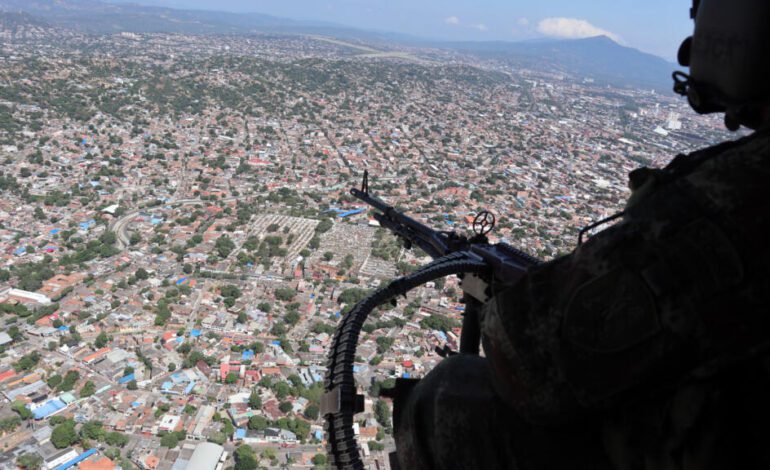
[611, 312]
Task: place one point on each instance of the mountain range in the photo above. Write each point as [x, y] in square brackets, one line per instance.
[599, 58]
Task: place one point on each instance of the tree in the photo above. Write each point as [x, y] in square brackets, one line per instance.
[439, 322]
[311, 412]
[285, 407]
[115, 439]
[171, 367]
[352, 296]
[282, 390]
[264, 306]
[319, 459]
[224, 246]
[9, 424]
[231, 378]
[70, 378]
[64, 435]
[292, 317]
[227, 428]
[255, 402]
[101, 340]
[134, 239]
[88, 389]
[285, 294]
[230, 291]
[376, 446]
[141, 274]
[269, 453]
[323, 226]
[382, 413]
[245, 458]
[258, 423]
[384, 343]
[132, 385]
[54, 380]
[169, 440]
[29, 461]
[21, 410]
[217, 438]
[27, 361]
[92, 430]
[57, 420]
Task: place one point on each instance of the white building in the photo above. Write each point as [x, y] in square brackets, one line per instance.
[207, 456]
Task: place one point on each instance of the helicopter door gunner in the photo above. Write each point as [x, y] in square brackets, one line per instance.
[645, 348]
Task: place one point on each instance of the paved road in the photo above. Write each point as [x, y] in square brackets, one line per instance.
[120, 226]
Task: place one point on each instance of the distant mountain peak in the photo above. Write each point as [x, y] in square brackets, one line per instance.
[599, 58]
[601, 39]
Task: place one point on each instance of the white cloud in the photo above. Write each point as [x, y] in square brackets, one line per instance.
[522, 22]
[572, 28]
[452, 20]
[480, 26]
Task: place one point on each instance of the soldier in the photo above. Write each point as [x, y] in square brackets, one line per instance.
[645, 348]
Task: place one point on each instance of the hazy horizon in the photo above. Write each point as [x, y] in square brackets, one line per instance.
[656, 27]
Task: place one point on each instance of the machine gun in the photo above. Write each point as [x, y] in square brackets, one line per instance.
[479, 265]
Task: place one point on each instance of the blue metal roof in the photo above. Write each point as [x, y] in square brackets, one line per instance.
[126, 378]
[88, 224]
[351, 212]
[51, 407]
[76, 460]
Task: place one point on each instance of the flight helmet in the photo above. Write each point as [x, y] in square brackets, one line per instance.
[729, 60]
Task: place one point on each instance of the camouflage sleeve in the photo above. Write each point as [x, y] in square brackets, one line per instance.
[644, 300]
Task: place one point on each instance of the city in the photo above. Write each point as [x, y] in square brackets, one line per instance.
[178, 241]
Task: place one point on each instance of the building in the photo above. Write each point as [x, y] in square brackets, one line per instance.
[207, 456]
[8, 293]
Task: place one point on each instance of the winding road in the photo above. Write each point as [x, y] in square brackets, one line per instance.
[120, 226]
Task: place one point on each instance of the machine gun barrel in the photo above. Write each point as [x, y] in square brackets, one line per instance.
[434, 243]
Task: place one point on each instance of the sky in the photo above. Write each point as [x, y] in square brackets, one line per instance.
[654, 26]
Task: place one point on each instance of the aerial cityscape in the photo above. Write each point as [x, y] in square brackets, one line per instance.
[178, 241]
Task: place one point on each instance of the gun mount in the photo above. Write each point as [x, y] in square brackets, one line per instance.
[478, 263]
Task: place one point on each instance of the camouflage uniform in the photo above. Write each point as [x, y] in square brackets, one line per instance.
[646, 344]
